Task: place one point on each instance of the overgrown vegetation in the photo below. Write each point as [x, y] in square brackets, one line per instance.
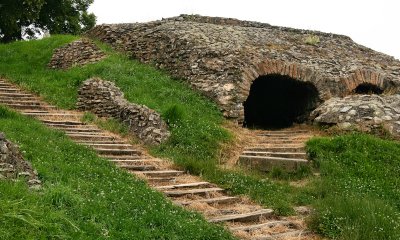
[312, 40]
[84, 196]
[358, 193]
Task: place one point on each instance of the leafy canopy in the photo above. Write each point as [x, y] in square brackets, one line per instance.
[54, 16]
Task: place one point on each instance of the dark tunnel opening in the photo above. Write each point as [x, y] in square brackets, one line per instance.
[368, 88]
[277, 101]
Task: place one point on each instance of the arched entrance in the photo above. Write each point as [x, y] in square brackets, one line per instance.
[368, 88]
[277, 101]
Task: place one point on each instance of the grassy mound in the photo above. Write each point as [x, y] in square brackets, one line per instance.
[84, 196]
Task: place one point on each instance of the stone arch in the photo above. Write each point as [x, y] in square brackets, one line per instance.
[367, 88]
[292, 70]
[280, 69]
[362, 77]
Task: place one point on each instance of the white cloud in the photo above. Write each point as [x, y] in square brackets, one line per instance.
[374, 24]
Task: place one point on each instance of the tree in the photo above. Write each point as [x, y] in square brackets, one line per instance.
[54, 16]
[66, 16]
[15, 14]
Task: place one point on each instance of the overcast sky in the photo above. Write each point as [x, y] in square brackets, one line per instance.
[375, 24]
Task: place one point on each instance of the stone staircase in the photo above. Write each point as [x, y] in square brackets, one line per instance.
[242, 217]
[283, 149]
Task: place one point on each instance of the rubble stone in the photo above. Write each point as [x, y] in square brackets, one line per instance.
[77, 53]
[13, 165]
[368, 112]
[106, 100]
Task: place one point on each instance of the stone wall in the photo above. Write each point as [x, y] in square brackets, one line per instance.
[361, 111]
[222, 57]
[106, 100]
[77, 53]
[13, 166]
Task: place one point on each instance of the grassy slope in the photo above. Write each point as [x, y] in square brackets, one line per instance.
[84, 196]
[357, 194]
[359, 191]
[198, 132]
[196, 122]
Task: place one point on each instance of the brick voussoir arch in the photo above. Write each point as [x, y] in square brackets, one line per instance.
[361, 76]
[292, 70]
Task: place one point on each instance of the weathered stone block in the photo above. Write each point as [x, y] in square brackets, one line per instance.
[367, 112]
[106, 100]
[13, 165]
[77, 53]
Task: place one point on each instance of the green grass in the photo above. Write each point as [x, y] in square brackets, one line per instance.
[196, 131]
[195, 122]
[358, 194]
[84, 196]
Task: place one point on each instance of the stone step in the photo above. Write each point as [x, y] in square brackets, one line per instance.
[6, 84]
[283, 132]
[275, 149]
[50, 114]
[63, 123]
[90, 137]
[296, 234]
[20, 98]
[276, 138]
[243, 217]
[270, 224]
[162, 173]
[185, 185]
[280, 134]
[198, 191]
[122, 157]
[159, 180]
[287, 145]
[100, 142]
[109, 151]
[138, 167]
[301, 155]
[281, 141]
[15, 95]
[89, 133]
[110, 146]
[217, 200]
[72, 127]
[19, 101]
[27, 107]
[138, 160]
[36, 111]
[9, 90]
[265, 163]
[79, 130]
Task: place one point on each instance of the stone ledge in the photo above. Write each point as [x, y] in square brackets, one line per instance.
[364, 112]
[106, 100]
[77, 53]
[13, 166]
